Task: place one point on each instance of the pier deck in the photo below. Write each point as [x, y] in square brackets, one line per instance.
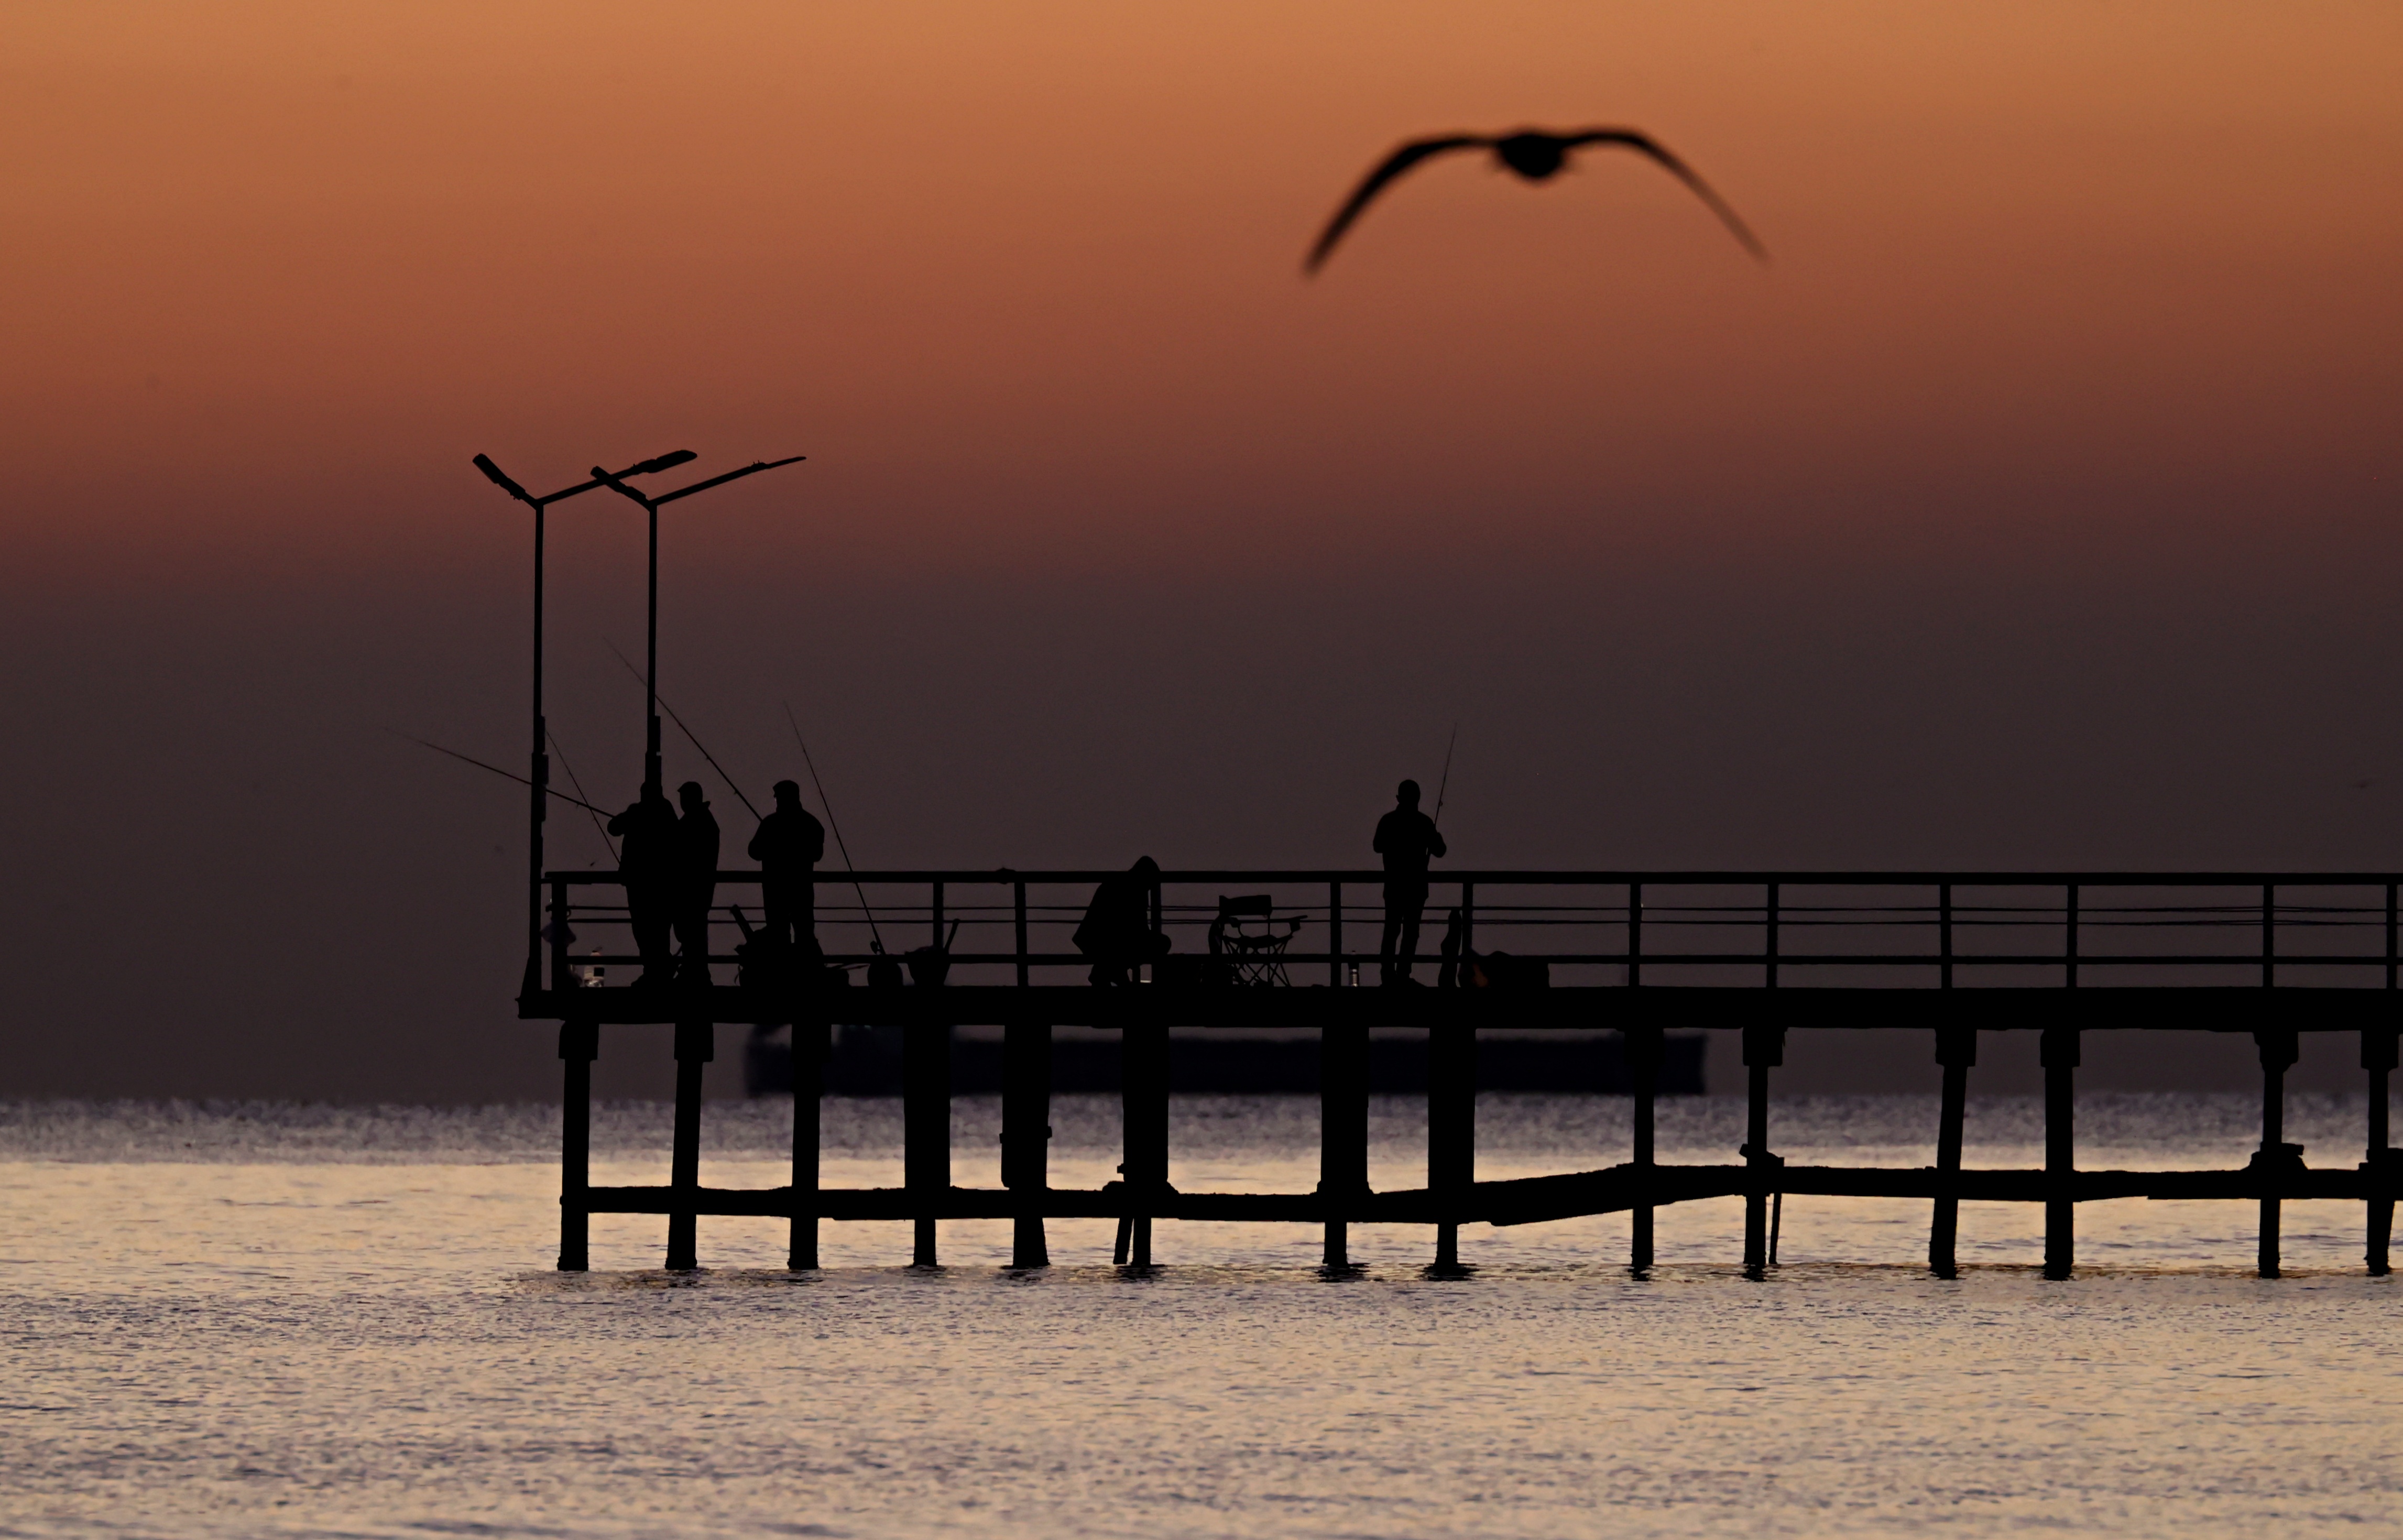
[2271, 954]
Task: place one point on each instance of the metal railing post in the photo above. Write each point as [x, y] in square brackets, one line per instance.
[1334, 936]
[2268, 935]
[1018, 897]
[2069, 949]
[562, 976]
[1769, 917]
[1634, 934]
[1944, 935]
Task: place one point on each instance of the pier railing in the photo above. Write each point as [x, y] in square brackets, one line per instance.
[2273, 955]
[1687, 929]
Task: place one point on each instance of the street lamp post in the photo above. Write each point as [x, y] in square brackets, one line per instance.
[616, 482]
[540, 774]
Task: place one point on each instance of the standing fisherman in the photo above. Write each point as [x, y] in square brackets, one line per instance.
[646, 860]
[695, 880]
[1405, 838]
[789, 845]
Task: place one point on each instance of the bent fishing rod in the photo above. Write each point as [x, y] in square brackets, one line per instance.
[689, 733]
[876, 935]
[1442, 785]
[598, 827]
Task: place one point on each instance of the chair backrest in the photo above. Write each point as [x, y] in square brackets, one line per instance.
[1251, 905]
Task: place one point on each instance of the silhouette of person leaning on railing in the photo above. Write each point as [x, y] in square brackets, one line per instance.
[1116, 933]
[789, 845]
[1405, 838]
[695, 880]
[646, 859]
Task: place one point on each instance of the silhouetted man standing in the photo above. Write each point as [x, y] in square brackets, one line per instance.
[1405, 838]
[646, 860]
[1117, 931]
[695, 880]
[789, 844]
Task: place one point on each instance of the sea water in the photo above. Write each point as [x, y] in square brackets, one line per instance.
[279, 1320]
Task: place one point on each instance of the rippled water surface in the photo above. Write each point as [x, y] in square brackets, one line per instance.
[311, 1321]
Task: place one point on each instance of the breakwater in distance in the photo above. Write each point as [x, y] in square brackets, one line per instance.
[867, 1061]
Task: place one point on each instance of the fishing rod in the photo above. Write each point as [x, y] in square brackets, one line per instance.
[497, 771]
[794, 723]
[598, 827]
[1441, 786]
[685, 730]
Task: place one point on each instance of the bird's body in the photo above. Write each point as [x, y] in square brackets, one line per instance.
[1534, 153]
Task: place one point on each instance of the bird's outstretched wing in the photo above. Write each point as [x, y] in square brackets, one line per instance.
[1645, 144]
[1399, 162]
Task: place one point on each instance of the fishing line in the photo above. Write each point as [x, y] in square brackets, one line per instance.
[494, 768]
[598, 827]
[1445, 784]
[794, 723]
[685, 730]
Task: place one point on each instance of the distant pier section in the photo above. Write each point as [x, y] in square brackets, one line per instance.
[1636, 966]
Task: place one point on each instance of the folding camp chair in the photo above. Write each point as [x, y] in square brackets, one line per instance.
[1246, 943]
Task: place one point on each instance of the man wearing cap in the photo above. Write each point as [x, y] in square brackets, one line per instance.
[1405, 838]
[788, 845]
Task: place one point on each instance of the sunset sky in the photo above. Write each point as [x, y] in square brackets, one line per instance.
[2037, 505]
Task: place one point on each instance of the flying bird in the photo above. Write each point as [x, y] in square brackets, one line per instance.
[1534, 153]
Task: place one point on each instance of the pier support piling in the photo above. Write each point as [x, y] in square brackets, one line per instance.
[2377, 1158]
[1764, 1049]
[926, 1130]
[1956, 1050]
[696, 1044]
[2277, 1159]
[1026, 1135]
[1644, 1048]
[1342, 1132]
[1143, 1090]
[2058, 1050]
[1451, 1132]
[811, 1036]
[579, 1044]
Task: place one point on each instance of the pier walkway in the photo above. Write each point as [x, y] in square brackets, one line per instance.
[1945, 954]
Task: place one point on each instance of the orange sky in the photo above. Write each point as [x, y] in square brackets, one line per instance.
[1024, 278]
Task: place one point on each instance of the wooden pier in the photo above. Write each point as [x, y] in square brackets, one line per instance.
[1931, 958]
